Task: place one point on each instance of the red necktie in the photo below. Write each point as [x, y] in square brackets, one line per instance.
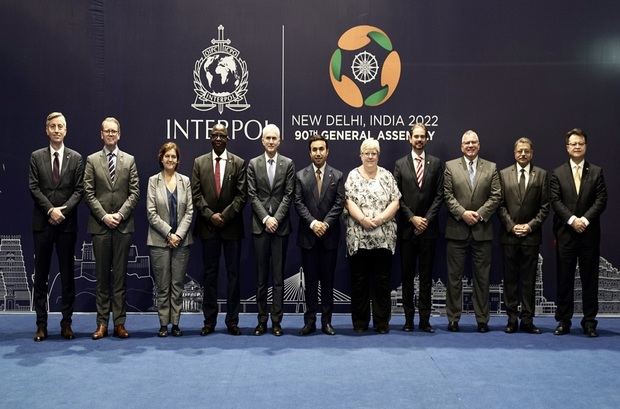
[218, 183]
[419, 171]
[56, 169]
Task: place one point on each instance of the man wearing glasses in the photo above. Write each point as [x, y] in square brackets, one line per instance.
[112, 190]
[578, 196]
[219, 194]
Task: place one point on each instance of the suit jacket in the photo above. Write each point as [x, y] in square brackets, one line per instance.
[158, 211]
[416, 201]
[531, 208]
[233, 195]
[459, 195]
[47, 194]
[327, 208]
[103, 196]
[264, 197]
[589, 203]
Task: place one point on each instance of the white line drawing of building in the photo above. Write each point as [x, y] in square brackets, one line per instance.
[15, 292]
[608, 289]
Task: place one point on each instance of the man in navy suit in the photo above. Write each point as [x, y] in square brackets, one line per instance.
[319, 200]
[523, 210]
[56, 185]
[420, 180]
[271, 183]
[578, 196]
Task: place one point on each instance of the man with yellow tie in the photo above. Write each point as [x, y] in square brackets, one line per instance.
[578, 196]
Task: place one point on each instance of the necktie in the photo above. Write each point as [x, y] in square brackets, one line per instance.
[577, 177]
[56, 169]
[522, 182]
[271, 172]
[112, 166]
[318, 181]
[218, 181]
[419, 171]
[472, 173]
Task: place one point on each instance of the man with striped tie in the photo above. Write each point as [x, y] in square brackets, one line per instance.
[111, 187]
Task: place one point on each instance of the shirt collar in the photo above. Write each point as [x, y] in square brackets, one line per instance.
[322, 168]
[415, 155]
[107, 152]
[223, 156]
[275, 158]
[527, 168]
[573, 164]
[60, 151]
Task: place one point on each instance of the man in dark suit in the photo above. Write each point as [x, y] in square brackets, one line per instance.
[219, 194]
[472, 192]
[524, 208]
[319, 200]
[420, 180]
[111, 187]
[578, 196]
[56, 185]
[271, 183]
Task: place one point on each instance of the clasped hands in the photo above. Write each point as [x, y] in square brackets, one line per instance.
[471, 217]
[579, 225]
[521, 230]
[55, 216]
[112, 220]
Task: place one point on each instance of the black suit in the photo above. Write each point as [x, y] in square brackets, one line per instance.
[270, 248]
[229, 204]
[46, 195]
[319, 254]
[415, 248]
[573, 247]
[521, 253]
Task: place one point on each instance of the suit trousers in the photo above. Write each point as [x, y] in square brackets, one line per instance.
[211, 252]
[481, 256]
[44, 242]
[520, 264]
[270, 253]
[418, 251]
[586, 251]
[111, 255]
[319, 264]
[370, 279]
[169, 267]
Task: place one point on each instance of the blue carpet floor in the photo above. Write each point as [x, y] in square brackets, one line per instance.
[398, 370]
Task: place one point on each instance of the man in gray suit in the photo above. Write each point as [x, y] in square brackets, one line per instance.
[524, 208]
[472, 192]
[271, 183]
[219, 196]
[56, 185]
[319, 200]
[112, 190]
[419, 177]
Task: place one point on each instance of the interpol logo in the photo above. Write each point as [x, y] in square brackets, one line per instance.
[220, 77]
[365, 68]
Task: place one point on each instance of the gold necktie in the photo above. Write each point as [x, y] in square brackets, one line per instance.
[577, 178]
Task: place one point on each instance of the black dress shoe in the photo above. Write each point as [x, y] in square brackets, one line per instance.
[276, 330]
[408, 327]
[260, 329]
[590, 331]
[453, 326]
[163, 332]
[327, 329]
[41, 333]
[66, 331]
[426, 327]
[359, 330]
[307, 329]
[511, 327]
[530, 328]
[176, 331]
[206, 330]
[382, 328]
[483, 327]
[562, 329]
[234, 330]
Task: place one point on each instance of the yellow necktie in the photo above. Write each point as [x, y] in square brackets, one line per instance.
[577, 178]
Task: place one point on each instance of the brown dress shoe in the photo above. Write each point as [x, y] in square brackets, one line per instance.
[100, 332]
[41, 333]
[66, 332]
[120, 331]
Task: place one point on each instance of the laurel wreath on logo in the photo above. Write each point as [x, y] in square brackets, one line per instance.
[204, 95]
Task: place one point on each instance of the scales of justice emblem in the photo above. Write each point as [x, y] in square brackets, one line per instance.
[220, 77]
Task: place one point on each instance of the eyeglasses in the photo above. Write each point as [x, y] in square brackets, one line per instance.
[110, 131]
[575, 144]
[218, 136]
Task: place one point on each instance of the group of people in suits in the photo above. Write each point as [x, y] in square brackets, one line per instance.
[381, 210]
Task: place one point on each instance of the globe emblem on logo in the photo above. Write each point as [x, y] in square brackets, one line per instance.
[220, 77]
[365, 68]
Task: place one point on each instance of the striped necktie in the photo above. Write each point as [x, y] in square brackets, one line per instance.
[419, 171]
[112, 166]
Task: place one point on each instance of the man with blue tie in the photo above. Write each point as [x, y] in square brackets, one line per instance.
[524, 208]
[112, 190]
[56, 185]
[271, 184]
[578, 195]
[319, 200]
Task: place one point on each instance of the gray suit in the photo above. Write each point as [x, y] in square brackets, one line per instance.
[270, 248]
[169, 264]
[521, 253]
[111, 246]
[483, 197]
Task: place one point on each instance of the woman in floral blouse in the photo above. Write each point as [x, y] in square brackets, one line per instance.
[371, 203]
